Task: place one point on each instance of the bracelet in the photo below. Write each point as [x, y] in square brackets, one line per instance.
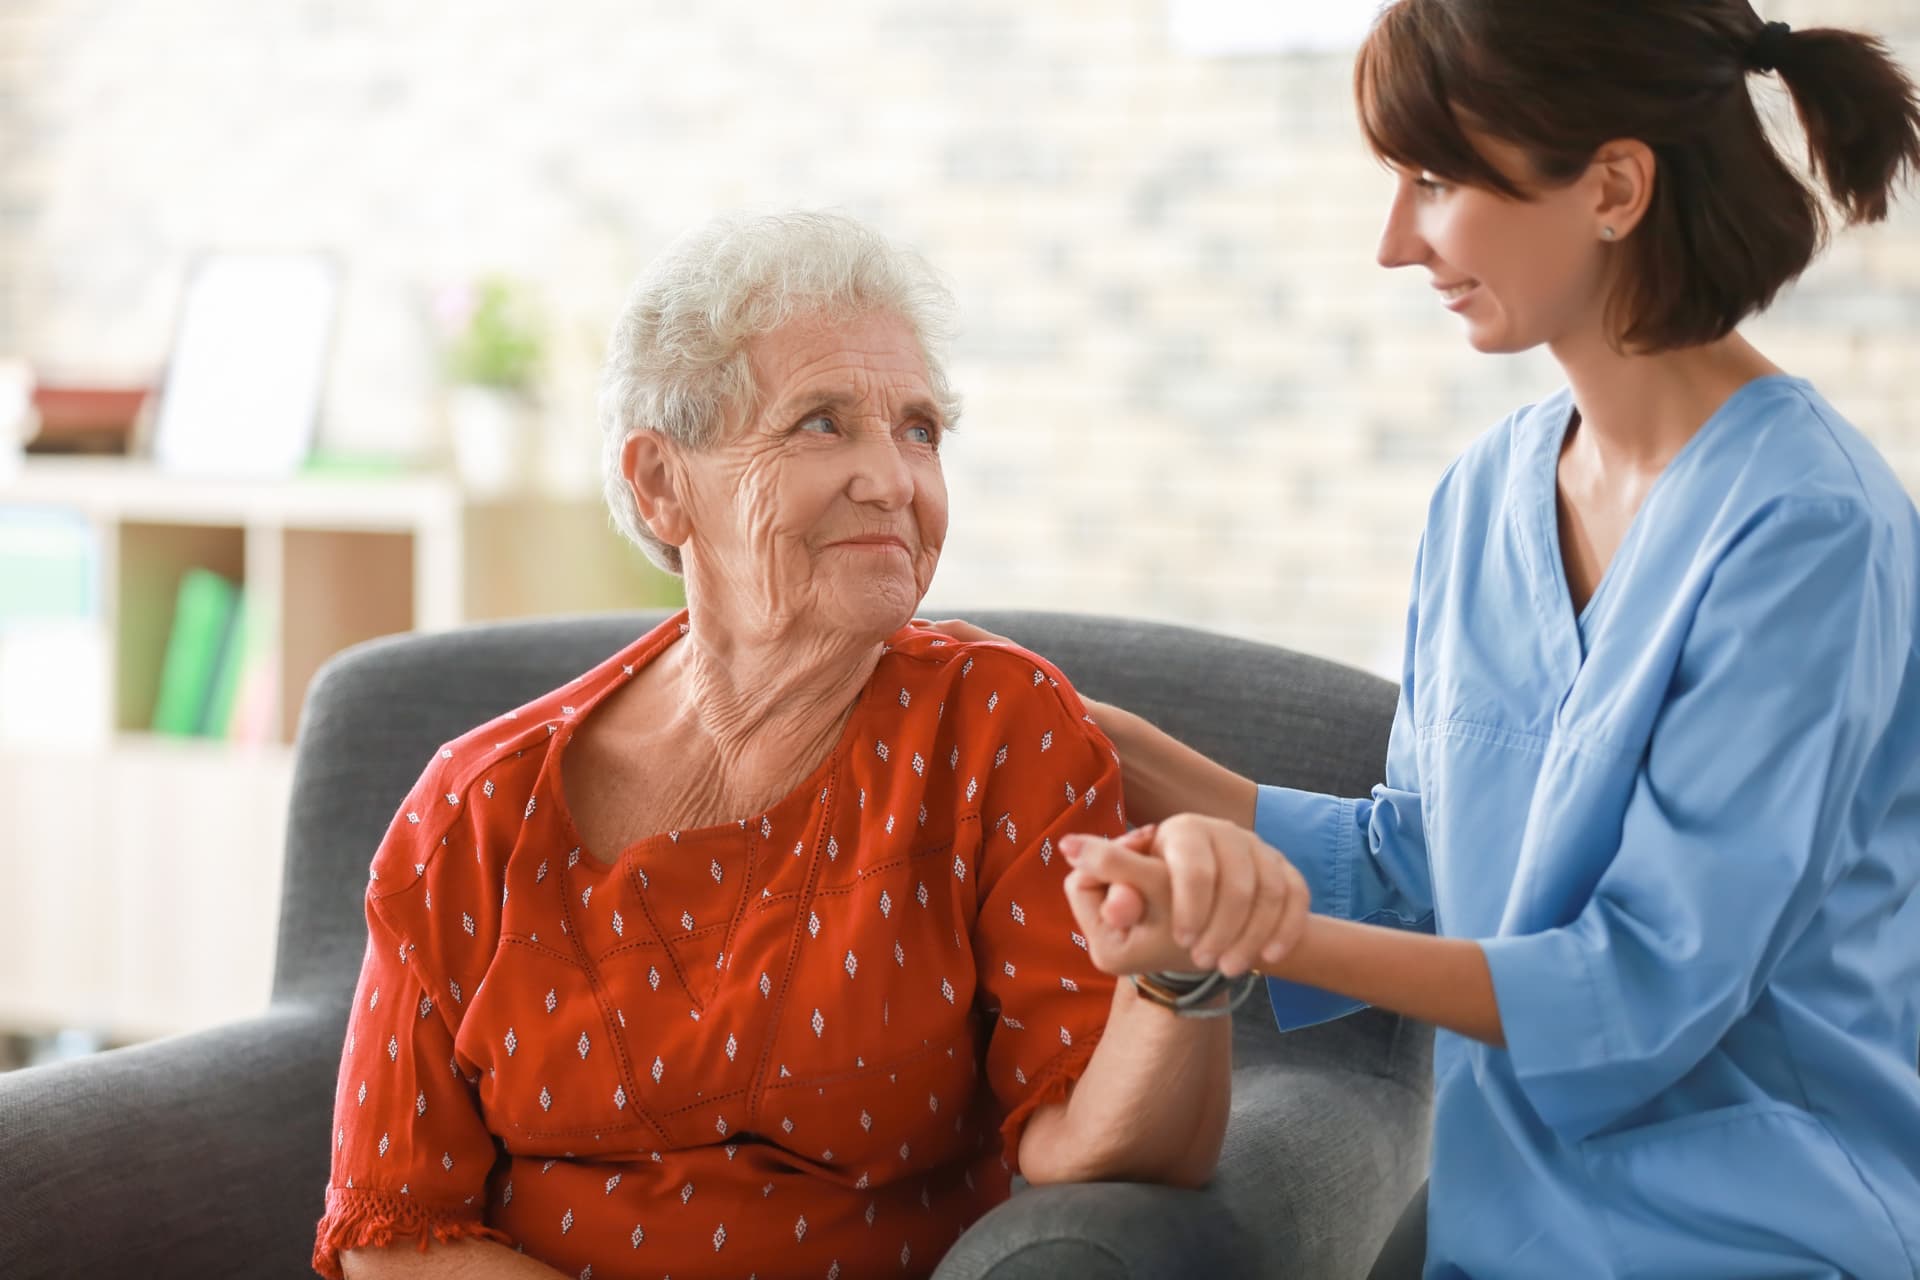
[1185, 994]
[1179, 982]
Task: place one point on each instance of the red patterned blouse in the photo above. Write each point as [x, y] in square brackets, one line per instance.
[800, 1044]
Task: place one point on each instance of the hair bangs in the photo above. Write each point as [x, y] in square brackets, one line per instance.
[1409, 116]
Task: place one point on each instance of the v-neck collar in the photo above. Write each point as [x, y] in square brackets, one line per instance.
[1540, 496]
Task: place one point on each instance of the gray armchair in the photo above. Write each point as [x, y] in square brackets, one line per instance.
[206, 1155]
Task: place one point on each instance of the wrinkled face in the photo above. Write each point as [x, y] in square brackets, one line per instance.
[1519, 272]
[827, 505]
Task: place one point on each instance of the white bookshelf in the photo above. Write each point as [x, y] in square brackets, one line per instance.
[328, 561]
[139, 894]
[140, 874]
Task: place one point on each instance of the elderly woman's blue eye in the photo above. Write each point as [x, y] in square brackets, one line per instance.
[920, 433]
[820, 424]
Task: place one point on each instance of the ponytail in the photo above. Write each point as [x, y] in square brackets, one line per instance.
[1860, 110]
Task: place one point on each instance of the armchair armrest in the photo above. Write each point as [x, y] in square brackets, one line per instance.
[202, 1155]
[1102, 1231]
[1328, 1141]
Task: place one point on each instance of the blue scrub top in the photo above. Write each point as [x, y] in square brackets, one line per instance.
[1685, 826]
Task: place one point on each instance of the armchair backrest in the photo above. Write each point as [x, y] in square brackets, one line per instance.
[376, 714]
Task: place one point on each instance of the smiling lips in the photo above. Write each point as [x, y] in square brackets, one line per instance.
[874, 542]
[1452, 293]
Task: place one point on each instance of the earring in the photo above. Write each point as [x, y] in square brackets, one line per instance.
[1606, 233]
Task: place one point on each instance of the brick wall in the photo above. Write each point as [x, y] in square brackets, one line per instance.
[1191, 395]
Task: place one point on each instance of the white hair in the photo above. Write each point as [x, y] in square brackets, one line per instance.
[677, 362]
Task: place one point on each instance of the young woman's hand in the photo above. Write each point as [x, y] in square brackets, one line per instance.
[1159, 775]
[1190, 893]
[962, 631]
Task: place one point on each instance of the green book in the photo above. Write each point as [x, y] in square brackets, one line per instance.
[237, 648]
[202, 618]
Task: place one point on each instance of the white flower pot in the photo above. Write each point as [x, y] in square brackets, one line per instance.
[491, 432]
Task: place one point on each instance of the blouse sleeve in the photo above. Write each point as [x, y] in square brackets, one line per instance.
[411, 1151]
[1363, 860]
[1059, 776]
[1738, 822]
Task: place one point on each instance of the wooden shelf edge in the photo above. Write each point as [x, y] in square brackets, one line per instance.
[135, 492]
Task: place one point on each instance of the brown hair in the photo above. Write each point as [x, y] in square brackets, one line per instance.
[1729, 222]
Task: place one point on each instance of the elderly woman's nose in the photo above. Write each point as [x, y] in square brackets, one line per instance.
[881, 474]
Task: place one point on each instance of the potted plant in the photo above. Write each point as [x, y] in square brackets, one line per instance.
[492, 357]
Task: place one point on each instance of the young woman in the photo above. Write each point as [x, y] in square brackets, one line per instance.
[1649, 837]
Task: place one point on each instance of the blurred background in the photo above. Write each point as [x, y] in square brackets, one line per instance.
[301, 308]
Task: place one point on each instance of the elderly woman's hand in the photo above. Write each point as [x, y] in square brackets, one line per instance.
[1189, 893]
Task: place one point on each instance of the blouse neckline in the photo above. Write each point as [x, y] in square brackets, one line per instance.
[815, 787]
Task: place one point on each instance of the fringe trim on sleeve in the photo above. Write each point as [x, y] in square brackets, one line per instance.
[1055, 1084]
[376, 1219]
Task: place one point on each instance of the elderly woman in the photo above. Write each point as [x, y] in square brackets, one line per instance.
[747, 951]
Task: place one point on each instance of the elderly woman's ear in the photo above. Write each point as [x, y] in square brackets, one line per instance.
[648, 461]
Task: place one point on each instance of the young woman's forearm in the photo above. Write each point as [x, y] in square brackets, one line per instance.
[1163, 776]
[1151, 1107]
[1443, 981]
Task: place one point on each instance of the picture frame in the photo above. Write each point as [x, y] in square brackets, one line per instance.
[245, 379]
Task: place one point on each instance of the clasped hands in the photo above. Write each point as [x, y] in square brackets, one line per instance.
[1189, 893]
